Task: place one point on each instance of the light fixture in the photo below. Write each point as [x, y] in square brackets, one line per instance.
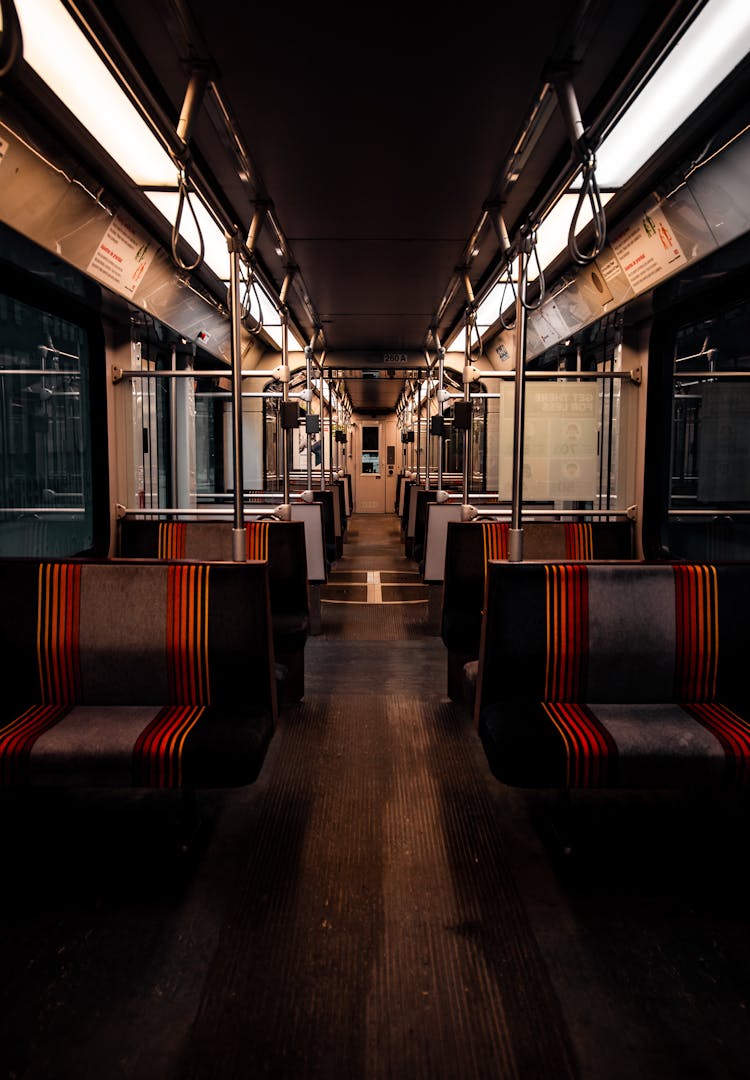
[712, 46]
[62, 57]
[326, 392]
[424, 391]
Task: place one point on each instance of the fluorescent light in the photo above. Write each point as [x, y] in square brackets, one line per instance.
[710, 48]
[58, 51]
[325, 391]
[216, 256]
[62, 57]
[268, 315]
[425, 390]
[551, 240]
[487, 315]
[713, 45]
[214, 241]
[271, 319]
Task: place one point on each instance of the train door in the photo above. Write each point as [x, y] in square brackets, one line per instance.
[371, 480]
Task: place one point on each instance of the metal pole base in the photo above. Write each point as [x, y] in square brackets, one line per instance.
[239, 545]
[515, 545]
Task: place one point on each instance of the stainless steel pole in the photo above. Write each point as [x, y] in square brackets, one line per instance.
[515, 532]
[239, 542]
[441, 404]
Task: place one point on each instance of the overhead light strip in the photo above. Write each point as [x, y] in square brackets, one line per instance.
[62, 57]
[709, 50]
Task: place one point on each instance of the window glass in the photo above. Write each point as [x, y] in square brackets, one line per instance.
[46, 500]
[710, 444]
[370, 448]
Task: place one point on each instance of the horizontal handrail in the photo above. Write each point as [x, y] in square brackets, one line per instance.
[708, 513]
[42, 509]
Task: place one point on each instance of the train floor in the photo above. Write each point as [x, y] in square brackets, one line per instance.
[376, 906]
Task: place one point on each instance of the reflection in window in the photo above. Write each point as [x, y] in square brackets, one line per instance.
[710, 446]
[370, 449]
[45, 434]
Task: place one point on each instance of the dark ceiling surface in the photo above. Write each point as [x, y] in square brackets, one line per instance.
[378, 137]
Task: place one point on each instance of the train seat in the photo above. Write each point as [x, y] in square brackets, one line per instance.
[469, 545]
[628, 675]
[155, 674]
[281, 543]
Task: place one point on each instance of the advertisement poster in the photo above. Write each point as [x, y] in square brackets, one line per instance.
[559, 452]
[122, 258]
[647, 249]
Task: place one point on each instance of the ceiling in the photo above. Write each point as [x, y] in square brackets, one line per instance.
[377, 144]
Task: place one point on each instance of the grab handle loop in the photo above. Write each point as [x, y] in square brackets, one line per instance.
[528, 247]
[183, 187]
[508, 281]
[589, 192]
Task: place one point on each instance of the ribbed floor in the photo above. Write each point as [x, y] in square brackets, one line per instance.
[375, 930]
[371, 622]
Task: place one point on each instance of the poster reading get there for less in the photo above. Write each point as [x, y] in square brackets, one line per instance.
[559, 445]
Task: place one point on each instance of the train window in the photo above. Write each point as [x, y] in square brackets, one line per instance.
[708, 503]
[710, 452]
[453, 443]
[580, 425]
[370, 448]
[209, 431]
[46, 473]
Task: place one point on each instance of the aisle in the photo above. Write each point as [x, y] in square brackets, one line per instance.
[373, 568]
[374, 929]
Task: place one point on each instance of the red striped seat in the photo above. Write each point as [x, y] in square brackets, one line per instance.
[155, 673]
[615, 675]
[280, 543]
[470, 545]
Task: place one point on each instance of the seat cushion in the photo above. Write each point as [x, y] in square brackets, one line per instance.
[553, 744]
[171, 746]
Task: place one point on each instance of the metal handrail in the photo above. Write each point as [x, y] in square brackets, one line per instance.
[42, 509]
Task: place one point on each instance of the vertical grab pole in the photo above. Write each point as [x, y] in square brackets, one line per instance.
[239, 541]
[335, 445]
[469, 376]
[427, 425]
[419, 431]
[173, 430]
[284, 376]
[285, 399]
[441, 405]
[308, 388]
[468, 379]
[515, 532]
[321, 369]
[330, 427]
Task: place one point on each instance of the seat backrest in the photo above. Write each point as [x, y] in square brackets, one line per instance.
[282, 543]
[424, 498]
[470, 544]
[436, 531]
[613, 632]
[310, 515]
[325, 497]
[143, 632]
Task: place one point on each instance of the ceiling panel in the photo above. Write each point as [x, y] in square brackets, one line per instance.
[378, 140]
